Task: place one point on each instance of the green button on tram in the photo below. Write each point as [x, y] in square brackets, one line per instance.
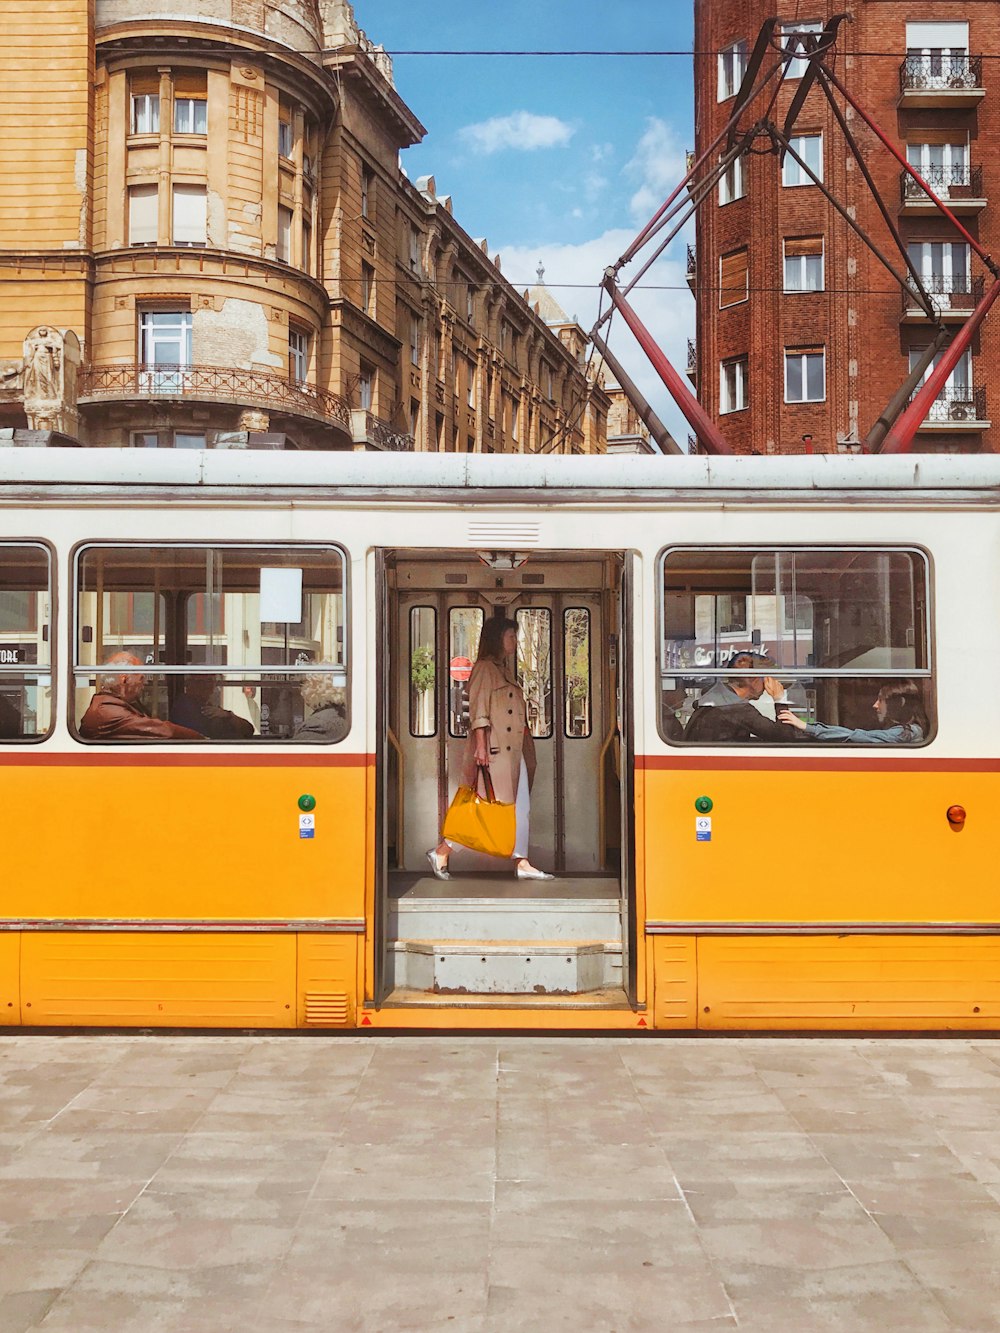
[703, 804]
[307, 802]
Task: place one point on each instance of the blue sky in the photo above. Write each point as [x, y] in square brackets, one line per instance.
[558, 160]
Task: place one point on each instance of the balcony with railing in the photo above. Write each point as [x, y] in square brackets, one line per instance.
[959, 185]
[367, 429]
[960, 407]
[953, 296]
[936, 79]
[274, 393]
[692, 360]
[692, 267]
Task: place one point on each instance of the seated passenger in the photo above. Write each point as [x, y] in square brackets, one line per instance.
[726, 712]
[112, 714]
[196, 708]
[328, 719]
[672, 726]
[900, 712]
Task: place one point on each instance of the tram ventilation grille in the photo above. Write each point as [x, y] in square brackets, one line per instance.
[508, 536]
[326, 1009]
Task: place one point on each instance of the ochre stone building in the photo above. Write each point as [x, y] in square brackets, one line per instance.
[206, 240]
[801, 332]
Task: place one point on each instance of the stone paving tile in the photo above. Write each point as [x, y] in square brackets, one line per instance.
[284, 1185]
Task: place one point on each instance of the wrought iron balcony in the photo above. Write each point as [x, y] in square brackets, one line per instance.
[934, 79]
[953, 296]
[957, 407]
[368, 429]
[959, 185]
[692, 264]
[221, 384]
[692, 361]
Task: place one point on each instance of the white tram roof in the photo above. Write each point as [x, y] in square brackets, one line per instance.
[422, 476]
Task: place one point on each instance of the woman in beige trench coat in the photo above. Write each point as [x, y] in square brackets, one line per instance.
[498, 738]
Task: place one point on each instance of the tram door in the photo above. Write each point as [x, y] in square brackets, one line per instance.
[564, 670]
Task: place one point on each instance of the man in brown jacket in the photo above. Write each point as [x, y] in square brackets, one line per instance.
[112, 716]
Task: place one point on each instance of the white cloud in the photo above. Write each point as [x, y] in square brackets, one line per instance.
[656, 166]
[573, 274]
[521, 131]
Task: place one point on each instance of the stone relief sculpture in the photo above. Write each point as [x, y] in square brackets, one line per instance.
[49, 379]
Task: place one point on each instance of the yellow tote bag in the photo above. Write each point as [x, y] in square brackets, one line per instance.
[483, 824]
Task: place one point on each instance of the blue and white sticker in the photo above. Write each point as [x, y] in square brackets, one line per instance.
[703, 828]
[307, 826]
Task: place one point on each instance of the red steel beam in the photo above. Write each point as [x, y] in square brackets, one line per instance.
[899, 440]
[698, 419]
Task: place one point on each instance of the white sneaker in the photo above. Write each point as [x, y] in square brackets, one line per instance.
[438, 864]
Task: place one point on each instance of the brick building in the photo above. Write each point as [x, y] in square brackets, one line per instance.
[206, 239]
[801, 332]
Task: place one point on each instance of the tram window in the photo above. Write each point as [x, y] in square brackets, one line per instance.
[835, 626]
[576, 672]
[465, 625]
[234, 643]
[25, 637]
[534, 666]
[423, 671]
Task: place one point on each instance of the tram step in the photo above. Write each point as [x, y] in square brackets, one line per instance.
[552, 919]
[508, 967]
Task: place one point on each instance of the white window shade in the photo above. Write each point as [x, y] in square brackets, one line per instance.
[190, 225]
[143, 211]
[937, 36]
[284, 250]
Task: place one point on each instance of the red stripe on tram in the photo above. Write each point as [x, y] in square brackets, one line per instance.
[810, 764]
[135, 758]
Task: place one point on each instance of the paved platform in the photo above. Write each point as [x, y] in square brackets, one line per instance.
[160, 1184]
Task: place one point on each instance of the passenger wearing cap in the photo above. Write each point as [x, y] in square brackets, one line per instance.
[726, 712]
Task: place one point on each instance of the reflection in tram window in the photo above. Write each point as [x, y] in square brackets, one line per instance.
[25, 680]
[576, 671]
[423, 671]
[230, 640]
[534, 666]
[832, 625]
[465, 625]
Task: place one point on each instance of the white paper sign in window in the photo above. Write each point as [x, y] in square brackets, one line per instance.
[281, 595]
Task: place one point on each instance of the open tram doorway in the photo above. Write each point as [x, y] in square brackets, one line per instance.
[485, 937]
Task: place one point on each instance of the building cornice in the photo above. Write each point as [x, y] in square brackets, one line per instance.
[375, 91]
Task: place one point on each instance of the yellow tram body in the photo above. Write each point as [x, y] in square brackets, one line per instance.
[161, 885]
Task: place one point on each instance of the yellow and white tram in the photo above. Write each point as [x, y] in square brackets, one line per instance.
[280, 882]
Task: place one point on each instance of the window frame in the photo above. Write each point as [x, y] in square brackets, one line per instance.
[797, 353]
[75, 671]
[810, 27]
[53, 639]
[299, 349]
[848, 751]
[734, 175]
[153, 112]
[435, 691]
[801, 260]
[739, 300]
[733, 59]
[450, 610]
[789, 162]
[583, 735]
[544, 611]
[188, 100]
[744, 379]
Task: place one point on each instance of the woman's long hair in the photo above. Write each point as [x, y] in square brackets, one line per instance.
[491, 639]
[904, 706]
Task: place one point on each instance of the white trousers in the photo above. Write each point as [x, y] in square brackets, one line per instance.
[522, 812]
